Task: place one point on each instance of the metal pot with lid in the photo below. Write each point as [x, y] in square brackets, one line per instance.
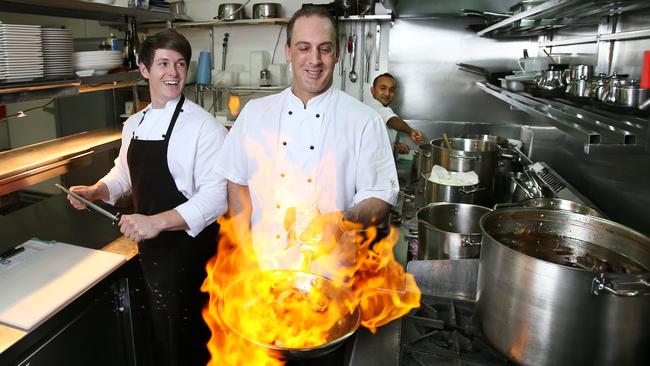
[231, 11]
[559, 288]
[469, 154]
[266, 10]
[449, 231]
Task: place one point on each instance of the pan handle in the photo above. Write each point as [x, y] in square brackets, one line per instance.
[468, 242]
[625, 285]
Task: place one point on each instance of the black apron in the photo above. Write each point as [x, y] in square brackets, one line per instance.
[173, 263]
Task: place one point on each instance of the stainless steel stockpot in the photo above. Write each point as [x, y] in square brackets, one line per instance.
[422, 159]
[436, 192]
[538, 312]
[449, 231]
[266, 10]
[469, 154]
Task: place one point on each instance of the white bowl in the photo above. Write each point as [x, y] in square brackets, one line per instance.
[83, 73]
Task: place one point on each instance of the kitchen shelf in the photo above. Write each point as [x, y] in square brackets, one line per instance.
[366, 18]
[601, 131]
[271, 21]
[31, 164]
[555, 14]
[635, 34]
[218, 23]
[109, 81]
[81, 9]
[27, 91]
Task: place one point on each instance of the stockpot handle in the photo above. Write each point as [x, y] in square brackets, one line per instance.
[506, 205]
[477, 158]
[468, 242]
[471, 190]
[625, 285]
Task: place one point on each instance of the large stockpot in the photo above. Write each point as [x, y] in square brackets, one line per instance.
[538, 312]
[552, 203]
[422, 159]
[469, 154]
[437, 192]
[449, 231]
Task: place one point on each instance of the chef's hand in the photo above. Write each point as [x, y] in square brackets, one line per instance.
[337, 234]
[402, 148]
[416, 136]
[97, 191]
[139, 227]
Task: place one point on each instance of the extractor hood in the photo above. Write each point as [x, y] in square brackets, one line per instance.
[434, 8]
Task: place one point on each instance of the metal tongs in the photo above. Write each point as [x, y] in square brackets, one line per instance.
[115, 218]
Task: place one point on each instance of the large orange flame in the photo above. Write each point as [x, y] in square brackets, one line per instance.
[356, 273]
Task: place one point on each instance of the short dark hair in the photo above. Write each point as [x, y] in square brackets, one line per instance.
[313, 10]
[168, 39]
[374, 82]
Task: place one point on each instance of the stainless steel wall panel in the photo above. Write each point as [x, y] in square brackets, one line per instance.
[423, 55]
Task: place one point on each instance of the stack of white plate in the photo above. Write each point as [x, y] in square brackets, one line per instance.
[100, 61]
[57, 51]
[21, 52]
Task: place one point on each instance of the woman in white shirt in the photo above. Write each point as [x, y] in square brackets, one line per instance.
[165, 162]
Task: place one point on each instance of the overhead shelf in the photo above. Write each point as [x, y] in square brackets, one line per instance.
[619, 36]
[81, 9]
[35, 90]
[27, 91]
[31, 164]
[601, 131]
[219, 23]
[555, 14]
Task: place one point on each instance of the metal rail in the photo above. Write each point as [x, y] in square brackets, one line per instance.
[601, 131]
[557, 13]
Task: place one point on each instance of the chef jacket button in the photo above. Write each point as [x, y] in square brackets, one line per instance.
[282, 175]
[308, 180]
[277, 236]
[284, 143]
[290, 112]
[311, 147]
[277, 206]
[317, 115]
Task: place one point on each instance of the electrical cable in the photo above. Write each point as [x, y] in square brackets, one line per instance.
[21, 114]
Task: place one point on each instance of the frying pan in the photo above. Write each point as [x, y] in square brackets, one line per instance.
[302, 282]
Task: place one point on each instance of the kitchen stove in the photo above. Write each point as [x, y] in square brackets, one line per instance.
[442, 332]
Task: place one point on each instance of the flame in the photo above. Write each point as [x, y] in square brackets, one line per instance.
[233, 105]
[260, 303]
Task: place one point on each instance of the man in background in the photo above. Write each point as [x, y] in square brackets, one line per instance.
[383, 90]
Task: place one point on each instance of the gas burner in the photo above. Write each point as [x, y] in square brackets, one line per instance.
[442, 332]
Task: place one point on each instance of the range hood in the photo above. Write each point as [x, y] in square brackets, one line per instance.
[440, 8]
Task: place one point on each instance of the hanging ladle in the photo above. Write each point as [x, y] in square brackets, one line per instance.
[353, 74]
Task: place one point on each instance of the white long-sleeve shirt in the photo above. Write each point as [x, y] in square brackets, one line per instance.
[193, 147]
[332, 154]
[386, 113]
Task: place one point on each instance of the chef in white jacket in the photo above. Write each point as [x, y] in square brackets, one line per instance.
[165, 162]
[311, 148]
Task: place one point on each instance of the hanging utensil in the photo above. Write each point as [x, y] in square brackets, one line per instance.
[353, 74]
[377, 46]
[343, 40]
[369, 47]
[225, 51]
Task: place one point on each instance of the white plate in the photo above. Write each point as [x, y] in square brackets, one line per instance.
[83, 73]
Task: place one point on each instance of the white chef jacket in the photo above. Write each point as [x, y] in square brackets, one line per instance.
[332, 154]
[386, 113]
[193, 146]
